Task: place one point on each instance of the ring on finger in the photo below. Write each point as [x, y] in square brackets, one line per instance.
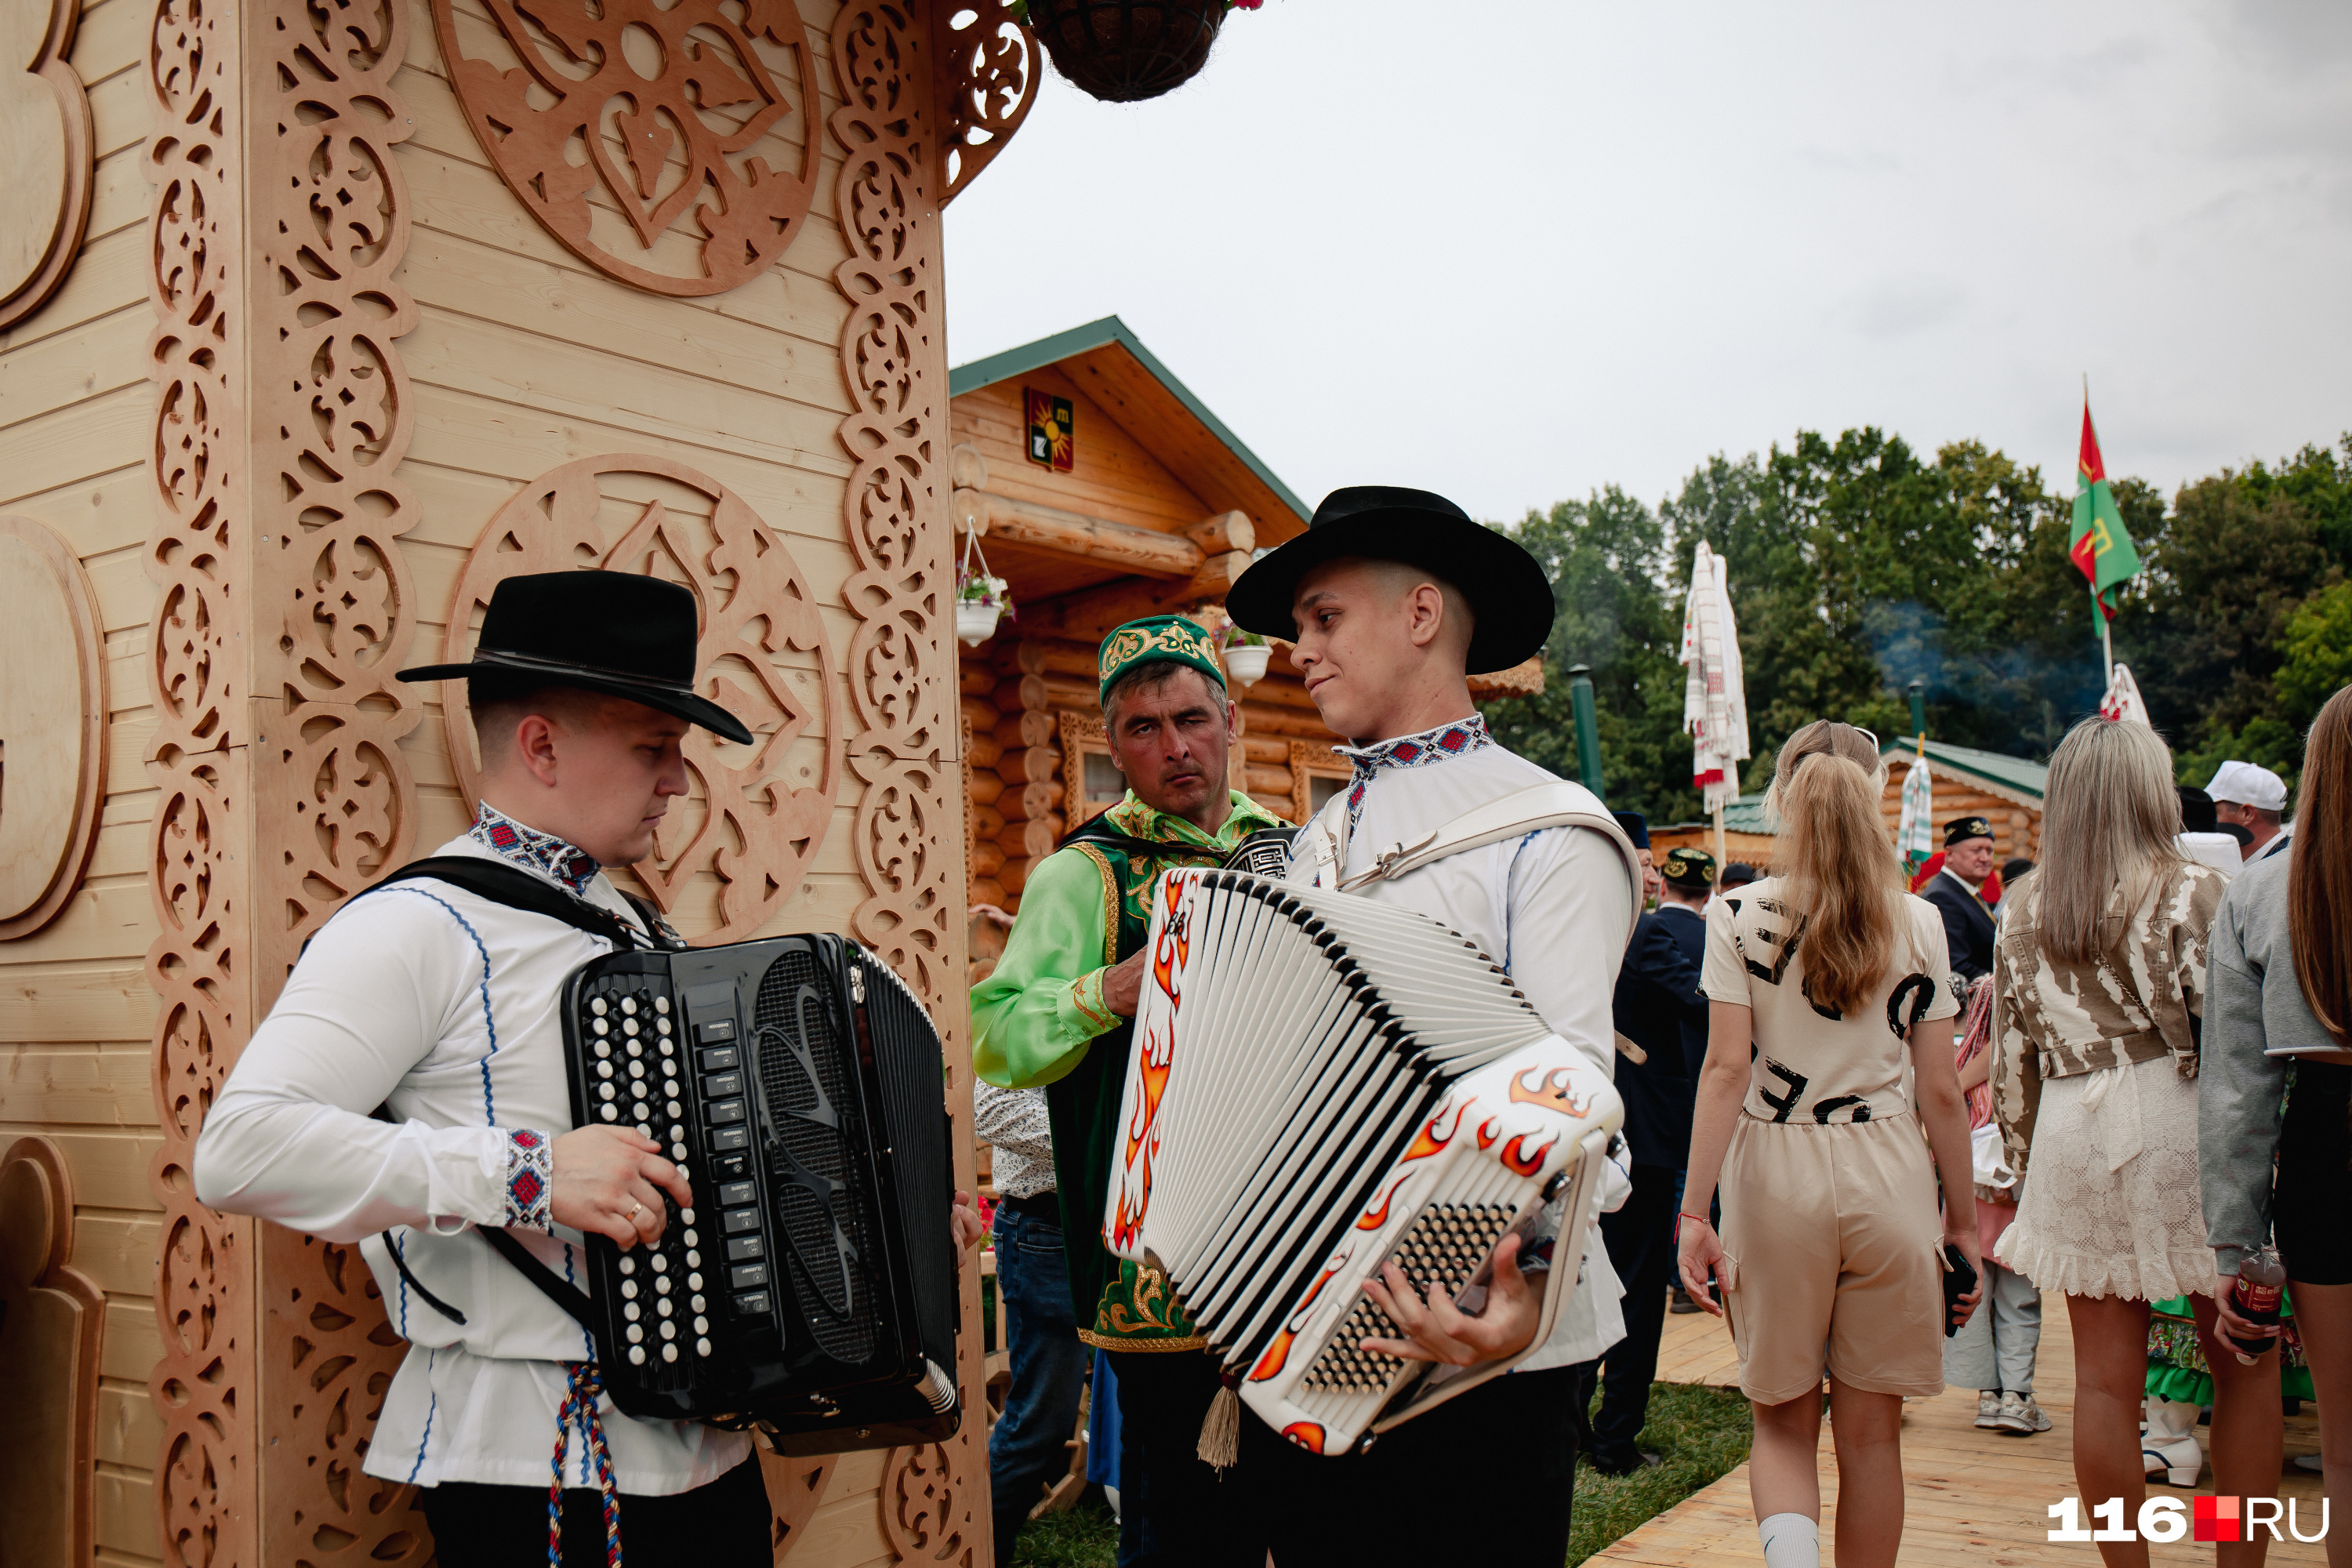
[635, 1209]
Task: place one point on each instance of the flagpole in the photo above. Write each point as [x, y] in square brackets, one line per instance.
[2106, 643]
[1718, 841]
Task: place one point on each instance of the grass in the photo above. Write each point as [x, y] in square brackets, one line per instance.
[1700, 1433]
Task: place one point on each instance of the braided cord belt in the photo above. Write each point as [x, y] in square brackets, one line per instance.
[579, 1408]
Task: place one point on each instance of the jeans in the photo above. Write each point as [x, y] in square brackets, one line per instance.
[1029, 1448]
[1997, 1347]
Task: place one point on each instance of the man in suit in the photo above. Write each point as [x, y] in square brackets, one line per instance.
[1956, 891]
[1658, 1008]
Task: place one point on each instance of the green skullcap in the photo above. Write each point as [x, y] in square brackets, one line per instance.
[1158, 637]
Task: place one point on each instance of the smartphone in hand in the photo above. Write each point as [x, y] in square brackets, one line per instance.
[1959, 1278]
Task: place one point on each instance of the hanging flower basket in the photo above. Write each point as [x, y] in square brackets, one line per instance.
[1245, 656]
[981, 599]
[1123, 51]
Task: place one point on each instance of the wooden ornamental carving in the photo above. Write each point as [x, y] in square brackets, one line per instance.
[795, 1491]
[901, 667]
[988, 73]
[1309, 761]
[1082, 734]
[52, 725]
[46, 179]
[51, 1315]
[617, 121]
[283, 608]
[756, 813]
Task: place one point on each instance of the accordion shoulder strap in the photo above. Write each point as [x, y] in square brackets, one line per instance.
[1557, 804]
[519, 890]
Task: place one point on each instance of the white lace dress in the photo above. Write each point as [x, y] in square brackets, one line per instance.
[2111, 1205]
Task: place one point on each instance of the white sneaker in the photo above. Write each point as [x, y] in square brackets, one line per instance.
[1988, 1408]
[2020, 1415]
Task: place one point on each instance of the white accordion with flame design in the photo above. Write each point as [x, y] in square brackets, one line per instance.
[1321, 1083]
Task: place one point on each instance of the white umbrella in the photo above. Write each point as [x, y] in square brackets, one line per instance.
[1714, 699]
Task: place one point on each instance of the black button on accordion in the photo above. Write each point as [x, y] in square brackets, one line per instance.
[811, 1285]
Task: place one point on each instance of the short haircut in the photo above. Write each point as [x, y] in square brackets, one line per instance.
[499, 702]
[1402, 577]
[1150, 675]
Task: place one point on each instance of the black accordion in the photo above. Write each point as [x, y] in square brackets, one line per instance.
[810, 1287]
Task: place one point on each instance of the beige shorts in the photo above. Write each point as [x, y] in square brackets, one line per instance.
[1832, 1234]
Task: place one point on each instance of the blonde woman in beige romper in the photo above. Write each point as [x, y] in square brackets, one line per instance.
[1823, 982]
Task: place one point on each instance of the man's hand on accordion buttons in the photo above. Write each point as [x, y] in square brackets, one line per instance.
[609, 1182]
[969, 1227]
[1123, 984]
[1441, 1332]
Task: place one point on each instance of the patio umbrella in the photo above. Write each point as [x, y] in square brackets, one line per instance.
[1715, 699]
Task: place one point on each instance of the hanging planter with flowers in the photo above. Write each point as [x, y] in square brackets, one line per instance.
[1245, 654]
[980, 598]
[1123, 51]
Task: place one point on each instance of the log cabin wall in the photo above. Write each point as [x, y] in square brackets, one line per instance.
[2016, 825]
[276, 359]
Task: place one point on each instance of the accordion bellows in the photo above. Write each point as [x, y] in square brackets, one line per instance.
[1319, 1083]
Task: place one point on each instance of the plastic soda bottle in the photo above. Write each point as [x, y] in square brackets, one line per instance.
[2256, 1297]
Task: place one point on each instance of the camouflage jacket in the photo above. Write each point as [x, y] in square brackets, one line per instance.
[2142, 999]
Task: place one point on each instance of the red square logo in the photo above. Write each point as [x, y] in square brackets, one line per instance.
[2216, 1518]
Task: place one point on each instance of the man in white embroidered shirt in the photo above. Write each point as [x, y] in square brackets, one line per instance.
[1393, 595]
[438, 1004]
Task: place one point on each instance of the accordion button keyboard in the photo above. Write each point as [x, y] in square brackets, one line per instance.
[629, 1311]
[694, 1282]
[636, 1355]
[699, 1305]
[702, 1326]
[702, 1347]
[693, 1258]
[628, 1265]
[597, 1005]
[609, 1113]
[677, 1153]
[669, 1353]
[673, 1108]
[722, 1058]
[635, 1333]
[628, 1005]
[660, 1265]
[661, 1005]
[691, 1239]
[601, 1026]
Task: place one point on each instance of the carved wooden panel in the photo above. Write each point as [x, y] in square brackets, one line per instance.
[902, 665]
[989, 75]
[619, 121]
[207, 1480]
[52, 725]
[51, 1315]
[795, 1490]
[46, 179]
[756, 813]
[1082, 734]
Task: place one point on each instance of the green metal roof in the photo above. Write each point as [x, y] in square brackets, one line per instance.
[2014, 774]
[1745, 814]
[1110, 330]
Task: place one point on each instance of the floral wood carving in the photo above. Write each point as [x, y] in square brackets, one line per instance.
[283, 608]
[51, 1316]
[1309, 761]
[625, 117]
[53, 715]
[926, 1510]
[902, 668]
[206, 1483]
[45, 182]
[989, 64]
[756, 813]
[795, 1489]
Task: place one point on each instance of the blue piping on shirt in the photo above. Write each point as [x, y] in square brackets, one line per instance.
[1508, 877]
[489, 1111]
[426, 1441]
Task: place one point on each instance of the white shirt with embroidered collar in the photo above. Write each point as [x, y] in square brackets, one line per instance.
[1552, 907]
[442, 1006]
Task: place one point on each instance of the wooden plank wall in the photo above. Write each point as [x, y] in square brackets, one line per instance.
[75, 1014]
[2016, 829]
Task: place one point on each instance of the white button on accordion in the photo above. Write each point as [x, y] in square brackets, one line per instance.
[1319, 1083]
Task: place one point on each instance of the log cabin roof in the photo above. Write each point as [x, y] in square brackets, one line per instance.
[1109, 361]
[2014, 779]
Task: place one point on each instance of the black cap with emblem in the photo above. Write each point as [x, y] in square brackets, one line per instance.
[1692, 870]
[1962, 828]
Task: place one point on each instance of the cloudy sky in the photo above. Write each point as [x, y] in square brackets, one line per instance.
[1513, 251]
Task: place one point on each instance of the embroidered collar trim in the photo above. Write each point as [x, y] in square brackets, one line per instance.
[567, 863]
[1443, 743]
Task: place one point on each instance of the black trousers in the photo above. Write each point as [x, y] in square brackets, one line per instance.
[1191, 1517]
[722, 1525]
[1640, 1239]
[1489, 1475]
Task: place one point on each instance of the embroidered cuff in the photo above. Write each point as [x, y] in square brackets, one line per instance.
[1087, 1014]
[530, 1179]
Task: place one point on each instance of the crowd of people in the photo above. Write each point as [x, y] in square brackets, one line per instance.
[1872, 1127]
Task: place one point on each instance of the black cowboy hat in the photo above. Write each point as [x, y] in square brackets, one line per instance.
[614, 631]
[1510, 599]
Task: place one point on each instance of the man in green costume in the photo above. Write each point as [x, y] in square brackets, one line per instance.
[1058, 1010]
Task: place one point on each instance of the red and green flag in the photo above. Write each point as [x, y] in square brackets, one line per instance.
[2101, 548]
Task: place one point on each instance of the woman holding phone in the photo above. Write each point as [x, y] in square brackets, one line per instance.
[1823, 982]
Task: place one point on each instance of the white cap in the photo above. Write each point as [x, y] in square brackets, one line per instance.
[2244, 784]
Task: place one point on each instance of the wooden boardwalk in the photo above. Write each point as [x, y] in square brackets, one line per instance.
[1975, 1499]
